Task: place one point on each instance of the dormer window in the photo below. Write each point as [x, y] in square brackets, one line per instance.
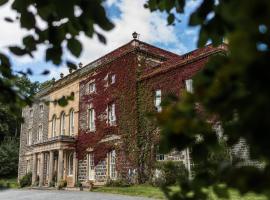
[92, 87]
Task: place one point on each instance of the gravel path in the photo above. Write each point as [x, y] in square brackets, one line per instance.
[61, 195]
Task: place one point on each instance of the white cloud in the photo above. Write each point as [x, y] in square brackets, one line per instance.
[152, 28]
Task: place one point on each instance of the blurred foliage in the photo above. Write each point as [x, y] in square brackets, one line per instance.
[10, 109]
[54, 25]
[9, 154]
[233, 89]
[26, 180]
[169, 172]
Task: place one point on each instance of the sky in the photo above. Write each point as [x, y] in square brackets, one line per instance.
[127, 15]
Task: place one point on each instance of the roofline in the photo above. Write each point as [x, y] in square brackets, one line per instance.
[81, 71]
[174, 64]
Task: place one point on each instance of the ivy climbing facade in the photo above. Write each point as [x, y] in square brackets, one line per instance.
[106, 131]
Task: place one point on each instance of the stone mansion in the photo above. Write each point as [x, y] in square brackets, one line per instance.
[106, 94]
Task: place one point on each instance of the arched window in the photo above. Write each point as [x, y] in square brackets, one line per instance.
[53, 126]
[71, 122]
[62, 123]
[70, 164]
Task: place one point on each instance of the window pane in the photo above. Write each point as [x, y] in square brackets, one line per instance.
[158, 100]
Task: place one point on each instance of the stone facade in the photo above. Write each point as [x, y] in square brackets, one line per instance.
[50, 154]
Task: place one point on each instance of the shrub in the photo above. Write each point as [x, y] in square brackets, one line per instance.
[9, 154]
[78, 184]
[52, 184]
[62, 184]
[117, 183]
[169, 172]
[26, 180]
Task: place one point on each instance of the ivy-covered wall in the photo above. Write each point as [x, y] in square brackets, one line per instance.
[123, 94]
[138, 73]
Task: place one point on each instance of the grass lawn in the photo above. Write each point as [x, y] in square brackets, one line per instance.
[156, 193]
[8, 183]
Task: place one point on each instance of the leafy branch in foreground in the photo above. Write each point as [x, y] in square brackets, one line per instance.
[234, 88]
[55, 25]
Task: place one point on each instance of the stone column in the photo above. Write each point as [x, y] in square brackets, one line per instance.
[60, 165]
[75, 165]
[34, 170]
[51, 165]
[41, 170]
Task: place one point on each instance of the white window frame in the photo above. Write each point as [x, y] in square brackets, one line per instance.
[92, 87]
[71, 122]
[112, 79]
[158, 96]
[91, 119]
[29, 138]
[160, 157]
[70, 164]
[31, 113]
[189, 85]
[54, 126]
[38, 167]
[40, 132]
[41, 108]
[27, 166]
[62, 123]
[91, 166]
[112, 157]
[111, 114]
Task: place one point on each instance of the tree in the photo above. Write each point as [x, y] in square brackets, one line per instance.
[64, 22]
[9, 154]
[10, 115]
[232, 88]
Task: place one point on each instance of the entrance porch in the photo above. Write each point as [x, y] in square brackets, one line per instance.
[54, 161]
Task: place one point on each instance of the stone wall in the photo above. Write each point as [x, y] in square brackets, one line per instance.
[31, 124]
[82, 171]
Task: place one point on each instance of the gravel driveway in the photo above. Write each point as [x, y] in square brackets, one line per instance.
[61, 195]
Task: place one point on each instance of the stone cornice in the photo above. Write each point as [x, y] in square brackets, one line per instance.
[134, 45]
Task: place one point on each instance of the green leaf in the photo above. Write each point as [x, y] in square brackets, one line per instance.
[28, 20]
[101, 38]
[54, 54]
[8, 19]
[29, 42]
[2, 2]
[170, 18]
[45, 72]
[74, 47]
[62, 101]
[71, 65]
[17, 50]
